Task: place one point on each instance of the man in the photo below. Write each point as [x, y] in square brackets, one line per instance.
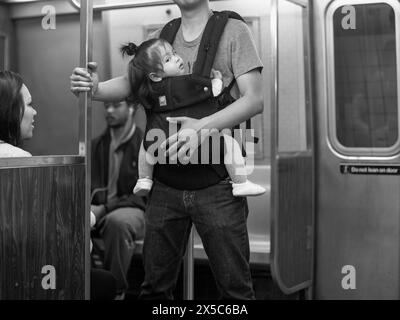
[119, 213]
[219, 217]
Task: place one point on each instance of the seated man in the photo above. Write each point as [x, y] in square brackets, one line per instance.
[119, 213]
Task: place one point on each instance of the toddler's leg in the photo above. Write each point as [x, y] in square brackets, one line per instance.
[145, 163]
[145, 170]
[234, 161]
[236, 167]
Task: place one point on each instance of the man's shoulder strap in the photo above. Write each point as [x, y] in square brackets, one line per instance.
[209, 42]
[170, 30]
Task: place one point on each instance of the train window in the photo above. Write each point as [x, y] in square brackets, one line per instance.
[292, 98]
[365, 80]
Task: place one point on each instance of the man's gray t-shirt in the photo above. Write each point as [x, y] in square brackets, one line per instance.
[236, 55]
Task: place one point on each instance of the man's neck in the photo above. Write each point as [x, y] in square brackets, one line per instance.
[119, 131]
[194, 21]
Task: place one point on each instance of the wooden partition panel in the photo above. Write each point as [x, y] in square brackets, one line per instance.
[42, 219]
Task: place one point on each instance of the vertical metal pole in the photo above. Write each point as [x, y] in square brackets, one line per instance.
[308, 75]
[309, 81]
[188, 269]
[274, 105]
[274, 77]
[85, 124]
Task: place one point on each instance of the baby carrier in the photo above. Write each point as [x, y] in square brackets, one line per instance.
[191, 96]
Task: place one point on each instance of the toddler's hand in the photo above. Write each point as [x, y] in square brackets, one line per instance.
[215, 74]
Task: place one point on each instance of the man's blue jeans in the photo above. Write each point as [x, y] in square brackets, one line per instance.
[220, 219]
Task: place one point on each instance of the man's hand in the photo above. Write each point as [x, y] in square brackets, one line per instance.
[183, 143]
[83, 80]
[99, 211]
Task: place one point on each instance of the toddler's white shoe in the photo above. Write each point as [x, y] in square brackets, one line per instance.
[143, 187]
[247, 189]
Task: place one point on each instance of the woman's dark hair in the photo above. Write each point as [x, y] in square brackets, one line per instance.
[147, 59]
[11, 107]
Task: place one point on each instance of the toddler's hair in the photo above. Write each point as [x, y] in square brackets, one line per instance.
[147, 58]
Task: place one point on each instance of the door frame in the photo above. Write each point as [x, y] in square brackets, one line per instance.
[276, 155]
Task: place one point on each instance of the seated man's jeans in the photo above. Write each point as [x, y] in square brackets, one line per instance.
[219, 218]
[119, 230]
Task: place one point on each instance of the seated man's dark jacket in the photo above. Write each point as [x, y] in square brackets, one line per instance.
[128, 173]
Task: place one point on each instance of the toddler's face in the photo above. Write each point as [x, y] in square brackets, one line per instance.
[172, 63]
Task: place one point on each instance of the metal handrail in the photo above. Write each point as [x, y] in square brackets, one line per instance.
[41, 161]
[302, 3]
[274, 82]
[18, 2]
[85, 124]
[188, 269]
[127, 5]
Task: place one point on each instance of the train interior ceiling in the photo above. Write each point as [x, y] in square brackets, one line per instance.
[330, 108]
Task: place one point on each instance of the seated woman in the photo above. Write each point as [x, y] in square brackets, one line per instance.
[16, 115]
[16, 124]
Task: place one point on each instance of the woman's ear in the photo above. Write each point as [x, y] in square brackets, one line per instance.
[154, 77]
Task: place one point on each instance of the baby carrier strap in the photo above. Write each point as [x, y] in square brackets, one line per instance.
[210, 41]
[170, 30]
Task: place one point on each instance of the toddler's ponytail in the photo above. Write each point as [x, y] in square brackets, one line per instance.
[129, 49]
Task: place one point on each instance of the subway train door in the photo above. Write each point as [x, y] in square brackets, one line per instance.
[358, 157]
[44, 211]
[292, 160]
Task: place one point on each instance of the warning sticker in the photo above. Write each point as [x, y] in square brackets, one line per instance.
[370, 169]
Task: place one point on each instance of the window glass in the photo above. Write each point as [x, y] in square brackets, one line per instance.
[366, 78]
[292, 95]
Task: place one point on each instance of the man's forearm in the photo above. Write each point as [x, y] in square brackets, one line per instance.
[242, 109]
[116, 89]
